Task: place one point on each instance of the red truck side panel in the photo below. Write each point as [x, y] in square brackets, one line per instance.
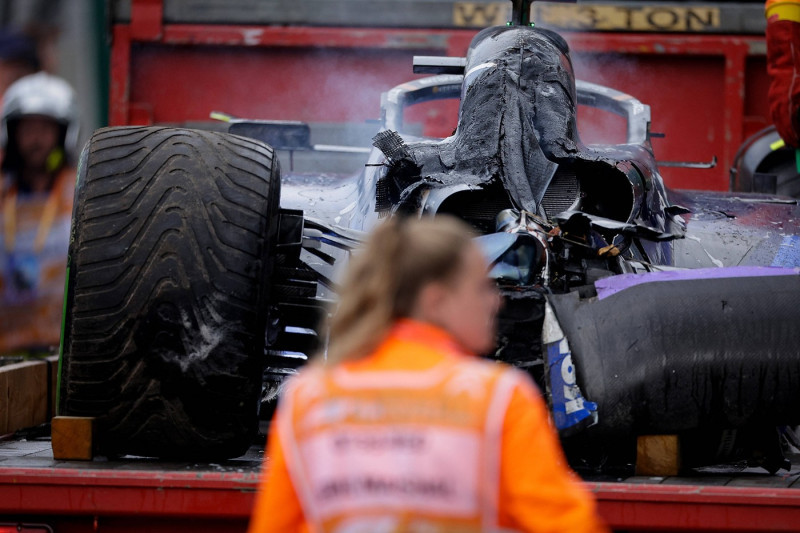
[161, 500]
[707, 92]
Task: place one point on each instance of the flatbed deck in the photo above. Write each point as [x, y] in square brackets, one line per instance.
[131, 493]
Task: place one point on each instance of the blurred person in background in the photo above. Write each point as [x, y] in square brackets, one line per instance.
[38, 134]
[783, 67]
[402, 427]
[18, 57]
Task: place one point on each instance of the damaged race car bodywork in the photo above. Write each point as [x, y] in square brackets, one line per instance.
[636, 309]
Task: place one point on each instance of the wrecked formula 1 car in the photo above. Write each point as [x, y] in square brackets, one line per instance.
[199, 275]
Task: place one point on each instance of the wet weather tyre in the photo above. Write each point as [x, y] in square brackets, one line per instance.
[787, 179]
[173, 234]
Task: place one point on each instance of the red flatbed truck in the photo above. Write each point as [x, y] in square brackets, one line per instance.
[38, 493]
[700, 66]
[243, 56]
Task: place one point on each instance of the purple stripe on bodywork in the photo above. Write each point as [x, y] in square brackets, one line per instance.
[608, 286]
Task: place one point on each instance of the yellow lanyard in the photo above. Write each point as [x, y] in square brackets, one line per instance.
[45, 223]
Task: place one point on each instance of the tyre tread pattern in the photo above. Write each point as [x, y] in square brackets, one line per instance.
[168, 287]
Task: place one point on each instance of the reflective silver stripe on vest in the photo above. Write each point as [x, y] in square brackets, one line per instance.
[493, 435]
[294, 462]
[379, 379]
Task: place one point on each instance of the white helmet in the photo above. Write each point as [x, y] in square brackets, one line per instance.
[41, 94]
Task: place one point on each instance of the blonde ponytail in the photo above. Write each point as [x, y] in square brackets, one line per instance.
[385, 277]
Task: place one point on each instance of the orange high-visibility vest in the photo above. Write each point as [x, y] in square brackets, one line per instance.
[417, 437]
[34, 239]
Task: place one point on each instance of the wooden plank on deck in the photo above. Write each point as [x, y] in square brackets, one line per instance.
[23, 395]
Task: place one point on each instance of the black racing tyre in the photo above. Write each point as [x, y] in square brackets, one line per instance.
[763, 165]
[784, 167]
[171, 252]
